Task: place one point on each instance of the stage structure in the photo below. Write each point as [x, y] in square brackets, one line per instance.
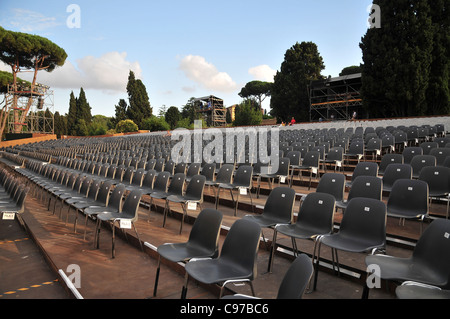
[335, 98]
[213, 110]
[30, 111]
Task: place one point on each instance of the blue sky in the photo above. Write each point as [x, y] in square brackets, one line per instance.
[182, 49]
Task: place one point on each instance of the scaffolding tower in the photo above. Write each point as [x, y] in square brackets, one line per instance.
[335, 98]
[38, 104]
[213, 110]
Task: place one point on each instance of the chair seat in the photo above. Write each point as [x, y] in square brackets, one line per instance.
[181, 199]
[301, 231]
[182, 252]
[404, 269]
[396, 212]
[344, 243]
[159, 195]
[216, 271]
[419, 292]
[266, 221]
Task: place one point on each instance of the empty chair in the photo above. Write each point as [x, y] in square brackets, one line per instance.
[192, 170]
[315, 218]
[356, 149]
[129, 213]
[394, 172]
[438, 181]
[295, 158]
[373, 146]
[192, 196]
[429, 262]
[294, 283]
[310, 163]
[409, 152]
[282, 173]
[365, 187]
[237, 260]
[427, 147]
[224, 175]
[209, 171]
[408, 200]
[440, 154]
[278, 209]
[203, 242]
[176, 187]
[335, 156]
[420, 161]
[136, 180]
[362, 229]
[363, 169]
[170, 167]
[160, 185]
[390, 158]
[242, 182]
[148, 181]
[333, 184]
[159, 165]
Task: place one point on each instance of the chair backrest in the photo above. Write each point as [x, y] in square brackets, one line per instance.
[138, 176]
[193, 169]
[335, 153]
[161, 181]
[180, 168]
[103, 192]
[317, 213]
[93, 190]
[410, 196]
[149, 178]
[333, 184]
[365, 169]
[131, 205]
[195, 188]
[280, 204]
[411, 151]
[283, 166]
[240, 246]
[367, 187]
[356, 147]
[206, 230]
[209, 170]
[296, 279]
[225, 173]
[311, 158]
[440, 154]
[120, 170]
[85, 184]
[22, 198]
[390, 158]
[294, 157]
[365, 218]
[428, 146]
[420, 161]
[396, 171]
[243, 176]
[150, 164]
[128, 175]
[437, 178]
[159, 165]
[169, 167]
[115, 200]
[176, 185]
[432, 249]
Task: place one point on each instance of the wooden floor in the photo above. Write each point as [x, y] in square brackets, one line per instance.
[40, 244]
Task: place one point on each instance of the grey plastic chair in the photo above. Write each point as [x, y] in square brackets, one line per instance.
[278, 209]
[415, 290]
[333, 184]
[294, 283]
[129, 212]
[363, 169]
[364, 187]
[420, 161]
[429, 263]
[176, 187]
[315, 218]
[362, 229]
[203, 242]
[283, 171]
[237, 260]
[193, 194]
[438, 180]
[394, 172]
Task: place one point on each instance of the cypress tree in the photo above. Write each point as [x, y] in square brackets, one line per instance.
[83, 108]
[138, 101]
[72, 115]
[397, 58]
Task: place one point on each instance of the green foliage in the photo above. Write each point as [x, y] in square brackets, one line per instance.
[120, 111]
[256, 89]
[190, 110]
[404, 71]
[79, 108]
[83, 108]
[186, 123]
[60, 124]
[172, 116]
[290, 97]
[139, 104]
[246, 114]
[126, 126]
[81, 128]
[7, 78]
[154, 124]
[350, 70]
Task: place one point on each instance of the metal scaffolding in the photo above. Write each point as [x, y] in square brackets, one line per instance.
[213, 110]
[30, 111]
[335, 98]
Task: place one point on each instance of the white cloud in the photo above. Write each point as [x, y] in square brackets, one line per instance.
[262, 73]
[206, 74]
[108, 73]
[29, 21]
